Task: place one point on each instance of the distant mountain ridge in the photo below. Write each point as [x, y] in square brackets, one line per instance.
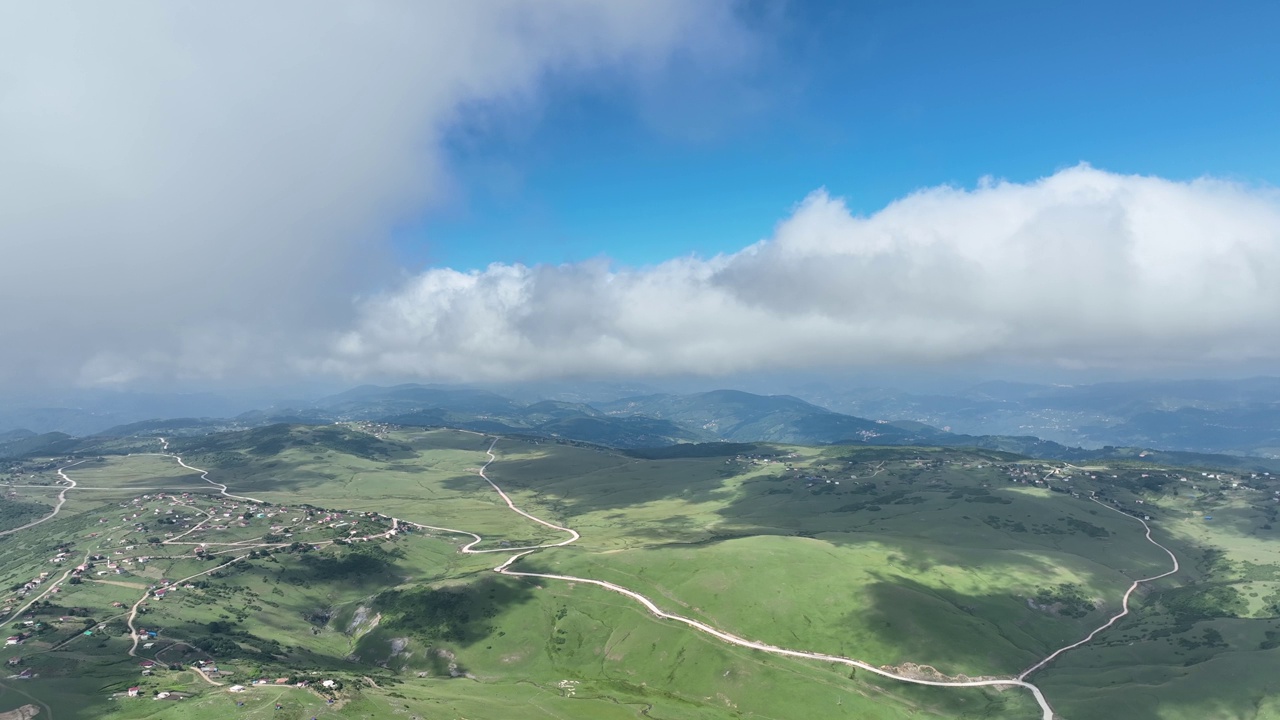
[732, 416]
[19, 443]
[1208, 416]
[737, 416]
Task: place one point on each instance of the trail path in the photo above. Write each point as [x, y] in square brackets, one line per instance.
[133, 611]
[62, 500]
[41, 596]
[198, 670]
[53, 585]
[208, 515]
[1124, 603]
[505, 569]
[204, 474]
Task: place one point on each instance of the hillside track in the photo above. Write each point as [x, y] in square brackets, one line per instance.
[505, 568]
[62, 500]
[1124, 603]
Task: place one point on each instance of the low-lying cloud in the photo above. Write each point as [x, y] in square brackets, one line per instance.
[197, 190]
[1084, 268]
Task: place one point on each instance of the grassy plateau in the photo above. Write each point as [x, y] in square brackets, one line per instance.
[307, 587]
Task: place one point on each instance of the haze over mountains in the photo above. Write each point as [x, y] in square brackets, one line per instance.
[1231, 417]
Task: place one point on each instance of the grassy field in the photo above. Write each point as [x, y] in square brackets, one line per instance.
[973, 563]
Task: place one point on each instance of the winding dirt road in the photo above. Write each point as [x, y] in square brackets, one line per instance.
[52, 586]
[204, 474]
[1020, 681]
[62, 500]
[133, 611]
[1124, 603]
[505, 568]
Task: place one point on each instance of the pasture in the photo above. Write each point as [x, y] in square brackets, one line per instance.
[973, 563]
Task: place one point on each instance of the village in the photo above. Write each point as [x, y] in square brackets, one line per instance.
[165, 579]
[892, 476]
[156, 545]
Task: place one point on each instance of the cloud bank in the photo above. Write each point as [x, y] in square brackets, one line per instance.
[195, 190]
[198, 189]
[1084, 268]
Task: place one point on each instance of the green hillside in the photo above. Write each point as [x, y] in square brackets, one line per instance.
[976, 563]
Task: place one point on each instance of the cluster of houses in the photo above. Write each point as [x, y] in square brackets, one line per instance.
[209, 669]
[234, 513]
[326, 684]
[79, 570]
[32, 627]
[378, 430]
[23, 590]
[756, 459]
[809, 476]
[169, 515]
[17, 471]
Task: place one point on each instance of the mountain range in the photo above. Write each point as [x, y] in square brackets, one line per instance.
[1239, 417]
[663, 419]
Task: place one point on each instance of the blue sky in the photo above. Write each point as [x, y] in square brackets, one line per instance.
[508, 190]
[871, 100]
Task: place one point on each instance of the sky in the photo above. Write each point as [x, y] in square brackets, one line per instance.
[207, 195]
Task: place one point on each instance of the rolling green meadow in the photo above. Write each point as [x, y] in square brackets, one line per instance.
[975, 563]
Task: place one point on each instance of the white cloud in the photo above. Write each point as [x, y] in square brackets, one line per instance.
[197, 188]
[1082, 268]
